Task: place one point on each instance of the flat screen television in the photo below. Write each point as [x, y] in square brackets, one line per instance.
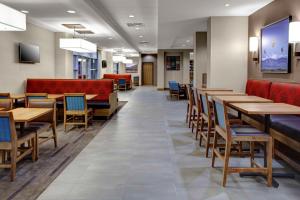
[275, 47]
[29, 53]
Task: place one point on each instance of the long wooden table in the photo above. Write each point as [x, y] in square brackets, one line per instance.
[214, 89]
[23, 115]
[50, 96]
[242, 99]
[224, 93]
[267, 109]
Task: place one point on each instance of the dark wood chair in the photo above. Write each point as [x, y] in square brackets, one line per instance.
[235, 134]
[6, 104]
[30, 96]
[12, 143]
[76, 111]
[190, 104]
[196, 110]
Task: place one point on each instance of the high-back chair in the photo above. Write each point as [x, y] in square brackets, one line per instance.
[42, 124]
[190, 104]
[196, 110]
[207, 123]
[30, 96]
[76, 111]
[174, 89]
[236, 134]
[4, 95]
[122, 84]
[6, 104]
[14, 144]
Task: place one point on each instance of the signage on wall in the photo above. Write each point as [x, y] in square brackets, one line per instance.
[172, 62]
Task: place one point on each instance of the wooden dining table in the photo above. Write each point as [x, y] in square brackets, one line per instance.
[16, 97]
[267, 109]
[214, 89]
[224, 93]
[242, 99]
[23, 115]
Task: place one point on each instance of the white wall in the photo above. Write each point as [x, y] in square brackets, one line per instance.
[228, 51]
[105, 55]
[13, 74]
[200, 57]
[160, 69]
[63, 59]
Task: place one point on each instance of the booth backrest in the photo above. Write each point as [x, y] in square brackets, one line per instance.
[116, 77]
[285, 93]
[259, 88]
[60, 86]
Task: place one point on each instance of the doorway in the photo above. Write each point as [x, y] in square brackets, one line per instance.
[147, 74]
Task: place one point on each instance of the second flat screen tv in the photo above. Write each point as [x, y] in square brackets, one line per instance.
[29, 53]
[275, 47]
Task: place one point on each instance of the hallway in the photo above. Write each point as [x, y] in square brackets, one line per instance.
[147, 152]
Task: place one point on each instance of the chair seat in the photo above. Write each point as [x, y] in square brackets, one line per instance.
[245, 130]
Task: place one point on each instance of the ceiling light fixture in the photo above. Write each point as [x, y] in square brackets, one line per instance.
[227, 5]
[11, 19]
[137, 28]
[25, 11]
[188, 41]
[131, 16]
[71, 11]
[141, 36]
[110, 38]
[77, 45]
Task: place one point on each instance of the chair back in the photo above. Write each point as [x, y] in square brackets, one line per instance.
[31, 96]
[7, 104]
[75, 102]
[204, 104]
[122, 81]
[174, 86]
[196, 98]
[44, 103]
[221, 117]
[190, 95]
[4, 95]
[7, 127]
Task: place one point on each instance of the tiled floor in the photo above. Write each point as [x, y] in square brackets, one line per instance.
[147, 153]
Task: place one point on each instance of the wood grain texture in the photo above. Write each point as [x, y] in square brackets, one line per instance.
[242, 99]
[215, 89]
[29, 114]
[224, 93]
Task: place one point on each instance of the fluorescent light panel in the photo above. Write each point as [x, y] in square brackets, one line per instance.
[294, 32]
[11, 19]
[77, 45]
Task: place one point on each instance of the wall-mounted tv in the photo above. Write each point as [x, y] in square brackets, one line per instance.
[29, 53]
[275, 47]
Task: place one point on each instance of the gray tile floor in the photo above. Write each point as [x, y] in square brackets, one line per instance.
[146, 152]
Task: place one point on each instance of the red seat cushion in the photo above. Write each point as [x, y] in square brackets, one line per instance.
[103, 88]
[116, 77]
[259, 88]
[285, 93]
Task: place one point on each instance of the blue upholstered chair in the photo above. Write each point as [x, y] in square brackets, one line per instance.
[76, 111]
[122, 84]
[30, 96]
[233, 134]
[174, 89]
[14, 144]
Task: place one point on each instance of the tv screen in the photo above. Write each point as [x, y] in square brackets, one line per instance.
[29, 53]
[275, 47]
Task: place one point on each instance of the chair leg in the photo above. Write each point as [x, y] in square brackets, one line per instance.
[201, 130]
[269, 150]
[190, 117]
[213, 154]
[193, 119]
[187, 113]
[54, 135]
[208, 139]
[86, 122]
[36, 146]
[33, 146]
[65, 122]
[13, 169]
[252, 153]
[197, 125]
[226, 162]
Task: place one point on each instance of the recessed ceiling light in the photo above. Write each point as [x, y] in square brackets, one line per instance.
[110, 38]
[183, 45]
[25, 11]
[131, 16]
[188, 41]
[141, 36]
[227, 5]
[137, 28]
[71, 11]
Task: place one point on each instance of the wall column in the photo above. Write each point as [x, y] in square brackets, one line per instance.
[63, 59]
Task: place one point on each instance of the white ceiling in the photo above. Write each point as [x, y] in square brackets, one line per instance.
[168, 24]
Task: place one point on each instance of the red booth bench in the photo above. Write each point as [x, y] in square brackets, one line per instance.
[105, 103]
[285, 129]
[116, 78]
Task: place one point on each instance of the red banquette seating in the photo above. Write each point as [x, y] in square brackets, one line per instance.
[285, 129]
[103, 88]
[116, 78]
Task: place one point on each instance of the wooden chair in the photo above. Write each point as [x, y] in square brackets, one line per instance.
[196, 110]
[4, 95]
[7, 104]
[14, 144]
[235, 134]
[42, 124]
[122, 84]
[190, 103]
[76, 111]
[30, 96]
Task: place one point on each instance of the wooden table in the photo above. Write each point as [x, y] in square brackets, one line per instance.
[90, 96]
[225, 93]
[215, 89]
[242, 99]
[267, 109]
[17, 96]
[50, 96]
[2, 109]
[23, 115]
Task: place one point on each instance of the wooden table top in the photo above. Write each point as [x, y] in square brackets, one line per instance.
[17, 96]
[225, 93]
[51, 96]
[266, 108]
[29, 114]
[2, 109]
[242, 99]
[90, 96]
[214, 89]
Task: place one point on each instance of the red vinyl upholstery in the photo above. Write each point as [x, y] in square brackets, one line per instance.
[116, 77]
[59, 86]
[285, 93]
[259, 88]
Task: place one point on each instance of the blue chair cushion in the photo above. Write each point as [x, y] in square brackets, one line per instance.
[245, 130]
[99, 105]
[290, 128]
